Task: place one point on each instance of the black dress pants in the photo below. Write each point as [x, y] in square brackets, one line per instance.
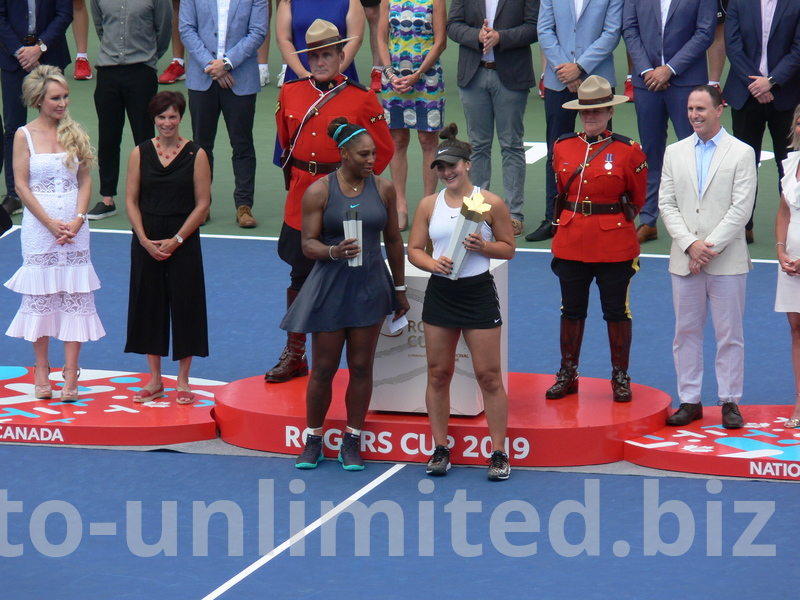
[749, 124]
[121, 90]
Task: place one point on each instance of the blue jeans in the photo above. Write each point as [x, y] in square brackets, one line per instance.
[489, 105]
[239, 114]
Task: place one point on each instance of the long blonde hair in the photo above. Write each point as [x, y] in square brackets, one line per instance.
[72, 137]
[794, 139]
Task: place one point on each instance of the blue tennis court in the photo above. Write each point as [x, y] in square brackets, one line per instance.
[120, 524]
[97, 523]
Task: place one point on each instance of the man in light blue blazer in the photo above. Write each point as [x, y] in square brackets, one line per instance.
[667, 40]
[222, 77]
[578, 38]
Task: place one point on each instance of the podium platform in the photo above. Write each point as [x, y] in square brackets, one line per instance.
[105, 414]
[582, 429]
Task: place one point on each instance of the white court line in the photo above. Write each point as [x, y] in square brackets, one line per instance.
[301, 534]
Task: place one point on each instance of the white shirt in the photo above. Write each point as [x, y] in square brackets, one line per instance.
[767, 14]
[579, 7]
[664, 12]
[222, 25]
[491, 11]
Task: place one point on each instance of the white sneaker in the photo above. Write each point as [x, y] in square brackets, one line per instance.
[282, 75]
[263, 71]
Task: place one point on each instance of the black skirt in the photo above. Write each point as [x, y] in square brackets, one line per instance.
[466, 303]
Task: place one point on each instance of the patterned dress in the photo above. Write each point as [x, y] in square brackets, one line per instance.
[410, 40]
[57, 282]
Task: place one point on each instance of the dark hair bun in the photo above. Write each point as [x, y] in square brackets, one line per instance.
[334, 125]
[449, 133]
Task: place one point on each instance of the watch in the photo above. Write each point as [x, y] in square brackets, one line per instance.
[179, 238]
[83, 216]
[42, 46]
[771, 80]
[226, 64]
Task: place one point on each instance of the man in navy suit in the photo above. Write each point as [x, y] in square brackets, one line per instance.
[31, 33]
[667, 40]
[762, 38]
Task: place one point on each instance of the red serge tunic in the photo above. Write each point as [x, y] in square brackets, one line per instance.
[356, 103]
[621, 167]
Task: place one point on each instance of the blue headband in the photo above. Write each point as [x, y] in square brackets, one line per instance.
[347, 139]
[339, 130]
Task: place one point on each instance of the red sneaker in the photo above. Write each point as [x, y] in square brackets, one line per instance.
[629, 89]
[375, 83]
[716, 85]
[541, 88]
[82, 69]
[174, 72]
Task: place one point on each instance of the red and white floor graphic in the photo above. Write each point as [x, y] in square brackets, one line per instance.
[762, 449]
[105, 413]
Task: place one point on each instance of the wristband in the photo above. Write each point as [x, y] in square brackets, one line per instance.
[400, 288]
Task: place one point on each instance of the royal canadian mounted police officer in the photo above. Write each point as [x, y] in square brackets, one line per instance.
[305, 109]
[602, 181]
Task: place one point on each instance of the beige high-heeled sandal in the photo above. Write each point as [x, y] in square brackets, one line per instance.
[67, 394]
[45, 391]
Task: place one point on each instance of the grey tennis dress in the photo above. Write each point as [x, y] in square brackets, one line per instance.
[336, 295]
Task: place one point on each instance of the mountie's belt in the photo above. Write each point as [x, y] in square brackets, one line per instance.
[315, 168]
[587, 207]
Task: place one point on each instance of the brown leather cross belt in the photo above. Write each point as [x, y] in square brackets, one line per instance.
[315, 168]
[587, 208]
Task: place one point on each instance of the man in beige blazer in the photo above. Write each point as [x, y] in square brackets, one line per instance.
[708, 186]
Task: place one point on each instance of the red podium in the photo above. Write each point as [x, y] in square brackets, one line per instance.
[582, 429]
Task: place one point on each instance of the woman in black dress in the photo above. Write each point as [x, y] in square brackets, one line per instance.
[343, 303]
[168, 195]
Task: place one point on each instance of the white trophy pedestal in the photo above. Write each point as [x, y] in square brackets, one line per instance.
[401, 369]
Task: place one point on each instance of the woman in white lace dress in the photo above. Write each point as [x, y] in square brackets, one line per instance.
[52, 158]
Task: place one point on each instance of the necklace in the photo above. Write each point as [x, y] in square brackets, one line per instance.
[165, 153]
[354, 188]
